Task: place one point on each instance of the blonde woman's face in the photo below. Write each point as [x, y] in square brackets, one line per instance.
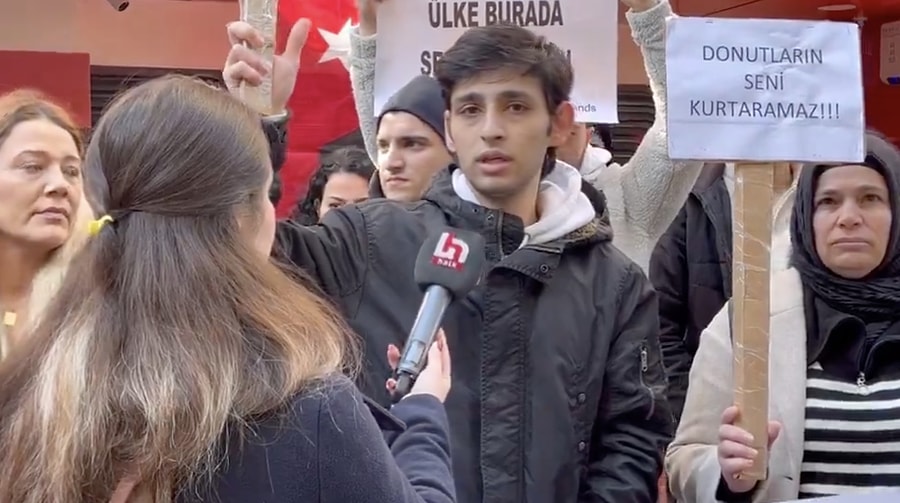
[40, 185]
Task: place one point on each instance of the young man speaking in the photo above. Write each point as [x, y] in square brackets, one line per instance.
[557, 386]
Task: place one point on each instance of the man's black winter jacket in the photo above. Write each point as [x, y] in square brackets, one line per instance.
[558, 390]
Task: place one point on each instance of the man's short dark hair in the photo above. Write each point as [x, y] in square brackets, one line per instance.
[508, 47]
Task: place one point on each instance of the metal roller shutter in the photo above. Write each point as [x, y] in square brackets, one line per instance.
[108, 82]
[636, 114]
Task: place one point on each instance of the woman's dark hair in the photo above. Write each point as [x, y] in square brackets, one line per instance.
[170, 328]
[353, 160]
[508, 47]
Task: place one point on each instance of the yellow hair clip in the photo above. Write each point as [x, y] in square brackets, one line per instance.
[96, 226]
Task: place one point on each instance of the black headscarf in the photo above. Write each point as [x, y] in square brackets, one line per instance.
[876, 295]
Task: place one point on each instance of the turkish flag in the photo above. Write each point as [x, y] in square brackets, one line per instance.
[322, 103]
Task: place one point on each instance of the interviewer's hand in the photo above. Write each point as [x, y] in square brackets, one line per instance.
[435, 377]
[735, 451]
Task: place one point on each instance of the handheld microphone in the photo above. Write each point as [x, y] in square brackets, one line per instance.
[447, 267]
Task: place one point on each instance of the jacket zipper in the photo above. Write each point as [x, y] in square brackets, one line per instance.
[499, 230]
[861, 385]
[871, 343]
[645, 366]
[862, 365]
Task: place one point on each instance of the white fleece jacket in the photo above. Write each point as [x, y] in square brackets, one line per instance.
[644, 195]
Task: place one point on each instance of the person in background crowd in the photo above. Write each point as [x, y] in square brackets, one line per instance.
[410, 144]
[835, 327]
[558, 382]
[178, 363]
[600, 136]
[691, 266]
[342, 178]
[43, 214]
[588, 148]
[644, 195]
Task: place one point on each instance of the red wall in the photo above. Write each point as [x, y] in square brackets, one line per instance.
[882, 100]
[65, 77]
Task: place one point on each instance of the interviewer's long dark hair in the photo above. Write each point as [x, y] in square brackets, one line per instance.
[170, 327]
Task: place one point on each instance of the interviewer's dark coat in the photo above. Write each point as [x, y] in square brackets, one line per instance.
[328, 447]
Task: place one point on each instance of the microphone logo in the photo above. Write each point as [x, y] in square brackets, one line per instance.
[450, 252]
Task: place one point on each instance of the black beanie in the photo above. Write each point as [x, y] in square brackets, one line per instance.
[422, 98]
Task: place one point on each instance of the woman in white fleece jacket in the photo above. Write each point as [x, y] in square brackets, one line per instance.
[644, 195]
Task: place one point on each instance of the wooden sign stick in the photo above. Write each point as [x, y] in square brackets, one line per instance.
[262, 15]
[783, 177]
[753, 196]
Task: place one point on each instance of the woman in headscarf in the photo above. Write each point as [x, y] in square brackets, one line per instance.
[835, 332]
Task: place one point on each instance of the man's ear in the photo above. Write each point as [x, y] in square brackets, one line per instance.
[448, 138]
[561, 123]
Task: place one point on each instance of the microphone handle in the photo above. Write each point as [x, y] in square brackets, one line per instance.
[421, 337]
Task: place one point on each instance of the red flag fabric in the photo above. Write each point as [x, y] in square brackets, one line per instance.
[322, 103]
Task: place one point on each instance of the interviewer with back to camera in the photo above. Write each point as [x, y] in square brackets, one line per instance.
[177, 363]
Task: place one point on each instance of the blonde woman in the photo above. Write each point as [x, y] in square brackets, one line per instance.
[178, 364]
[43, 214]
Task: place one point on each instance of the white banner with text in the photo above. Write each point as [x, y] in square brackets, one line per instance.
[412, 35]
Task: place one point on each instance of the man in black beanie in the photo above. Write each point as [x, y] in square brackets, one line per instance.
[409, 142]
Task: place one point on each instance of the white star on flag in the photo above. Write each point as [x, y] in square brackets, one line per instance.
[338, 45]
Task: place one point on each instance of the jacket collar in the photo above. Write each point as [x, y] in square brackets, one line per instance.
[709, 175]
[463, 214]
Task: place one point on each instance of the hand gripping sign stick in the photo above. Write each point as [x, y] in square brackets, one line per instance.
[261, 15]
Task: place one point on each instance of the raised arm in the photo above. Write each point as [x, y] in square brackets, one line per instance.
[362, 72]
[646, 193]
[333, 253]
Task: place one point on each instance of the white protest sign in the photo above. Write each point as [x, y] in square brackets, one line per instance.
[764, 90]
[412, 34]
